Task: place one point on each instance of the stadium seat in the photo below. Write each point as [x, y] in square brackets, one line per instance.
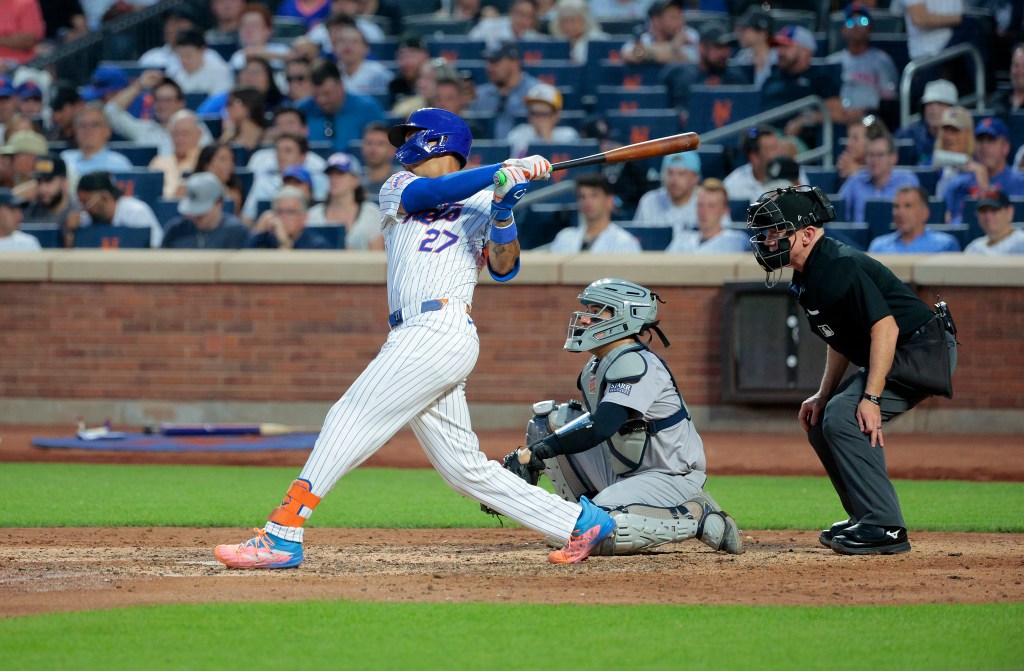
[545, 221]
[652, 238]
[537, 52]
[628, 100]
[905, 152]
[262, 206]
[241, 154]
[194, 100]
[927, 176]
[332, 233]
[244, 176]
[139, 154]
[165, 210]
[224, 48]
[617, 73]
[894, 44]
[456, 49]
[642, 125]
[716, 106]
[712, 161]
[738, 209]
[112, 237]
[485, 152]
[146, 185]
[131, 69]
[476, 69]
[286, 27]
[877, 215]
[322, 148]
[558, 73]
[214, 124]
[797, 17]
[384, 51]
[428, 25]
[623, 27]
[823, 178]
[48, 235]
[852, 233]
[1016, 126]
[936, 211]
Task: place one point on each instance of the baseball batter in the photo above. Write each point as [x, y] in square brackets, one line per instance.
[635, 451]
[441, 225]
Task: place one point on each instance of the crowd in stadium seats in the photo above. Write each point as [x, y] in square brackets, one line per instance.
[270, 118]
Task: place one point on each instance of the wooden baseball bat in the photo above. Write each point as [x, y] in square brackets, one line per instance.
[262, 429]
[663, 146]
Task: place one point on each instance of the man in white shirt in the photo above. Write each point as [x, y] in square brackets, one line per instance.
[520, 24]
[667, 39]
[351, 49]
[543, 111]
[760, 145]
[995, 216]
[194, 72]
[293, 121]
[711, 237]
[595, 232]
[12, 239]
[674, 203]
[291, 150]
[103, 203]
[168, 99]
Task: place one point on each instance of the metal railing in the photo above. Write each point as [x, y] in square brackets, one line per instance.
[953, 53]
[824, 152]
[134, 32]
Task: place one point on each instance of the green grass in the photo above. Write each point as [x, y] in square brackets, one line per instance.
[111, 495]
[345, 635]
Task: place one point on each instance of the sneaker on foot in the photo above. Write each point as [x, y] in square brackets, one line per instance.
[262, 551]
[592, 527]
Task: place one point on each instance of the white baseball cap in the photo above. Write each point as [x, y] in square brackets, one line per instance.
[940, 91]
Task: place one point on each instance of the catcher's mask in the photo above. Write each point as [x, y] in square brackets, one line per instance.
[779, 213]
[615, 309]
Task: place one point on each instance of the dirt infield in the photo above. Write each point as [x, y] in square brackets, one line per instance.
[44, 570]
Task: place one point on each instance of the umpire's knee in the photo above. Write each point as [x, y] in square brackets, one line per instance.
[839, 421]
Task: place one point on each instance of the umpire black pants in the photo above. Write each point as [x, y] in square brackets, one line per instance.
[857, 470]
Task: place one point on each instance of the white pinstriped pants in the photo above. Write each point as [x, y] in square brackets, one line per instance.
[419, 378]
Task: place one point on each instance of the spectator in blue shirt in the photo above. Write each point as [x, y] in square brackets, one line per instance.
[203, 223]
[988, 170]
[880, 179]
[92, 132]
[334, 114]
[909, 214]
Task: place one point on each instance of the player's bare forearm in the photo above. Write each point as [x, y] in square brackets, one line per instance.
[835, 366]
[502, 258]
[884, 334]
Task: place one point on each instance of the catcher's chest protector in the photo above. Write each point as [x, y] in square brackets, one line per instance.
[624, 364]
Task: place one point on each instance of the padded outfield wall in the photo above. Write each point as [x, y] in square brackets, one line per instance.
[142, 336]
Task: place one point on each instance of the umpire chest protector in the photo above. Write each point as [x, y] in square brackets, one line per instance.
[625, 365]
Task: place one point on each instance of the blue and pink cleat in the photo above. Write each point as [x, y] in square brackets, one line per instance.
[262, 551]
[592, 527]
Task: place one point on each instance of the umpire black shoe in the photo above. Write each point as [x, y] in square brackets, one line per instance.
[826, 536]
[868, 539]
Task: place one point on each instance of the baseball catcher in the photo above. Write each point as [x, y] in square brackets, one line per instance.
[630, 446]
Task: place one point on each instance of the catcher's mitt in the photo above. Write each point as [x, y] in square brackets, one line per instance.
[528, 472]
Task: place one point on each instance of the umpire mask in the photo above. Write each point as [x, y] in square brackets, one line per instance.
[779, 213]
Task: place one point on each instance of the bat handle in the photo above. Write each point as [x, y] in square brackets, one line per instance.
[499, 178]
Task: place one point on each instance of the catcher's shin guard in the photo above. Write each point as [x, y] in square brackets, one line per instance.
[717, 529]
[640, 527]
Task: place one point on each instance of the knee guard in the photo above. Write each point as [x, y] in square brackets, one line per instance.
[640, 527]
[298, 496]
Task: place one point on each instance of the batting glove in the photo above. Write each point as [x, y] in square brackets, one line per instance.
[535, 167]
[511, 184]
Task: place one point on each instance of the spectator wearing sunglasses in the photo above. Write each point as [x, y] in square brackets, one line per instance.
[335, 115]
[298, 73]
[869, 74]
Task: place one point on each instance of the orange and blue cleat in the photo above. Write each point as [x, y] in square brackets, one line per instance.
[592, 527]
[262, 551]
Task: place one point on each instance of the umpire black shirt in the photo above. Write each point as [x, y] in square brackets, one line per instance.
[844, 292]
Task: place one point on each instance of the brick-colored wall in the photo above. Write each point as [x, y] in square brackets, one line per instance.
[297, 342]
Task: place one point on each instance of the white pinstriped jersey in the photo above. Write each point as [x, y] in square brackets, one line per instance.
[436, 253]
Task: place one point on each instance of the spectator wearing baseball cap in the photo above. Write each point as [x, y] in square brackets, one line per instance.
[938, 96]
[711, 69]
[667, 39]
[103, 203]
[52, 202]
[202, 223]
[347, 205]
[995, 216]
[988, 170]
[543, 112]
[674, 203]
[794, 77]
[754, 30]
[105, 82]
[954, 147]
[30, 99]
[21, 151]
[12, 239]
[869, 74]
[503, 96]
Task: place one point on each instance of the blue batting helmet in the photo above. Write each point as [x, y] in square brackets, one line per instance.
[438, 132]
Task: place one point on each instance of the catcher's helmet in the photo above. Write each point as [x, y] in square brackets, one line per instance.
[784, 211]
[439, 132]
[633, 310]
